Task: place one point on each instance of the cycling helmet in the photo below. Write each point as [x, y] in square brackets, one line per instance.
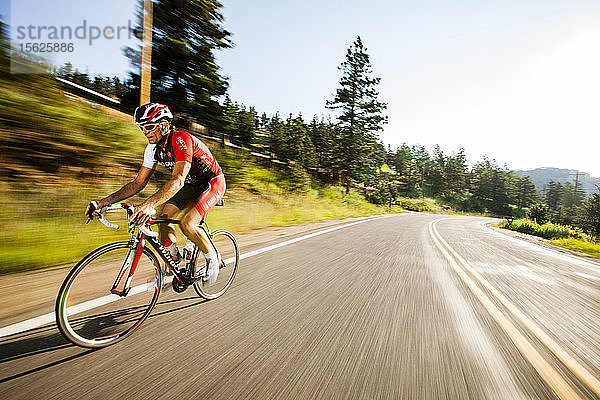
[152, 113]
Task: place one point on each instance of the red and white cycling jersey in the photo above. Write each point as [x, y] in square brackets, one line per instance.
[181, 146]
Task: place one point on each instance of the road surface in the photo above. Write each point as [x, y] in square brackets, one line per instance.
[405, 306]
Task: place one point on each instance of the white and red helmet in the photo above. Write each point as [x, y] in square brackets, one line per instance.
[151, 113]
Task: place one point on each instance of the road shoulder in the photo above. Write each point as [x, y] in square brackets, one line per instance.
[539, 241]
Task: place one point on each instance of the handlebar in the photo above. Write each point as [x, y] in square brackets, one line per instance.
[128, 207]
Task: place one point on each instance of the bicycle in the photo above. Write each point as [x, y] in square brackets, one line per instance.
[96, 308]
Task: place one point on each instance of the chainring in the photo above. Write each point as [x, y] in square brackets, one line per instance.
[179, 287]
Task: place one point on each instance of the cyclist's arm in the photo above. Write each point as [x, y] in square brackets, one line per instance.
[180, 172]
[130, 189]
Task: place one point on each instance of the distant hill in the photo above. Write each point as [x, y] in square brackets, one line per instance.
[541, 176]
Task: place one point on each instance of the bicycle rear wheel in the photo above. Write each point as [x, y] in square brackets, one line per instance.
[88, 314]
[228, 248]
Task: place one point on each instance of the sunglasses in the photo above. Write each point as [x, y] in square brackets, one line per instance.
[148, 127]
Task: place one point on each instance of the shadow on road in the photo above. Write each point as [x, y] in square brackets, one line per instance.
[47, 339]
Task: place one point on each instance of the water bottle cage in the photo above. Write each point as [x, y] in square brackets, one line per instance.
[188, 255]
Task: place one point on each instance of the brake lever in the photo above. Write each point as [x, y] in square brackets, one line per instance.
[147, 231]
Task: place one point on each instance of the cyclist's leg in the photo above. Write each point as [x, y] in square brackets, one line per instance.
[186, 197]
[193, 216]
[189, 225]
[167, 231]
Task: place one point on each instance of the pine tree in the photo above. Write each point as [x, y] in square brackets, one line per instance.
[456, 172]
[436, 175]
[66, 71]
[491, 186]
[591, 214]
[263, 122]
[185, 74]
[299, 145]
[230, 111]
[553, 193]
[323, 137]
[525, 192]
[419, 168]
[245, 125]
[407, 163]
[361, 114]
[277, 136]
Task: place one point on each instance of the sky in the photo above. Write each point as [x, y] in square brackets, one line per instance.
[96, 56]
[518, 81]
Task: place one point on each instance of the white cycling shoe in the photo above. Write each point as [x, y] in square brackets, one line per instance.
[212, 271]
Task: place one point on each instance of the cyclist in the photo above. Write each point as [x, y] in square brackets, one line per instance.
[196, 185]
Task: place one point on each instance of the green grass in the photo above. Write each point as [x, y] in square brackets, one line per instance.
[580, 245]
[36, 237]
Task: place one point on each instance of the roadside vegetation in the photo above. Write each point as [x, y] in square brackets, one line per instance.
[566, 236]
[566, 217]
[547, 230]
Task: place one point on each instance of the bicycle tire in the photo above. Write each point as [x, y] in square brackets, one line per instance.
[227, 245]
[86, 290]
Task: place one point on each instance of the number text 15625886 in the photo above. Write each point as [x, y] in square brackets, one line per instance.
[47, 47]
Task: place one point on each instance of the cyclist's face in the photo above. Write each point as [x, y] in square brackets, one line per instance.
[153, 132]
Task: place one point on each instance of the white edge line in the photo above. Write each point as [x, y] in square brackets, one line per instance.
[36, 322]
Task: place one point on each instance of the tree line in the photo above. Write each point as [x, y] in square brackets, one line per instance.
[113, 87]
[567, 204]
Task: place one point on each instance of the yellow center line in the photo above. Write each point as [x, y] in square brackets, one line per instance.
[577, 368]
[554, 379]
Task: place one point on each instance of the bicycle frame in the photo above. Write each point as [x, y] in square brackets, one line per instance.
[138, 242]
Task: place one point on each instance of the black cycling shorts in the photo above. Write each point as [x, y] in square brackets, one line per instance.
[188, 194]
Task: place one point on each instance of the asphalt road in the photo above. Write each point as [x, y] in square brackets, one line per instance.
[408, 306]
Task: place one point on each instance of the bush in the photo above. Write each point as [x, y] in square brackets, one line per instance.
[547, 230]
[385, 194]
[539, 212]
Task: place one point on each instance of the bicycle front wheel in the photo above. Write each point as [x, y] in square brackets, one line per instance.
[228, 248]
[88, 314]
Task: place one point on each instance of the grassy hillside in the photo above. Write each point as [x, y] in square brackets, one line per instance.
[57, 154]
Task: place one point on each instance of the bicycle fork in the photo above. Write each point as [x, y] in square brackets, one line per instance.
[130, 263]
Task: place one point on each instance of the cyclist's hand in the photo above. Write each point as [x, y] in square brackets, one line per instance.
[141, 214]
[92, 210]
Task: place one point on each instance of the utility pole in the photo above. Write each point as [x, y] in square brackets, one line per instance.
[146, 66]
[576, 184]
[423, 182]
